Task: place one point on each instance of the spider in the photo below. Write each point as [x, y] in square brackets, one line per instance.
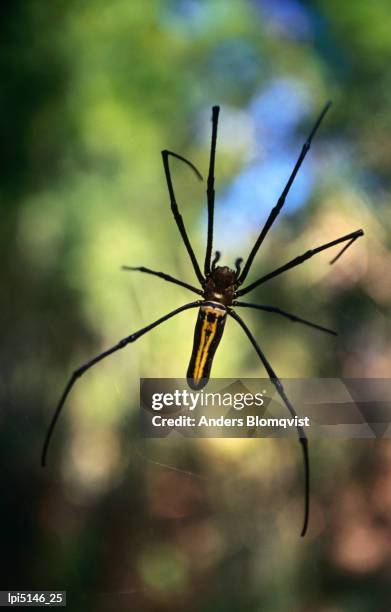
[220, 288]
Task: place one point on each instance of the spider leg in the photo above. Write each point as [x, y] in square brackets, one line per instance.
[280, 390]
[82, 369]
[175, 210]
[164, 276]
[288, 315]
[210, 192]
[301, 259]
[342, 251]
[281, 200]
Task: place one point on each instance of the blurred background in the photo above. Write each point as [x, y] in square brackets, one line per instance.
[91, 92]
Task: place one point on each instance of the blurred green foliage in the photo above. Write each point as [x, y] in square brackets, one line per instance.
[91, 93]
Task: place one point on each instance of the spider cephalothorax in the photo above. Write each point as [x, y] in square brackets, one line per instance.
[220, 285]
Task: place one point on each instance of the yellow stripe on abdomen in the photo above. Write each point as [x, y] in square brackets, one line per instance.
[212, 318]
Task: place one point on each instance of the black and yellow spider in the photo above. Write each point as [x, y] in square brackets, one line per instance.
[220, 288]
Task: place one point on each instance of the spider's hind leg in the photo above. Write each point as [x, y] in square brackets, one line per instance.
[86, 366]
[301, 433]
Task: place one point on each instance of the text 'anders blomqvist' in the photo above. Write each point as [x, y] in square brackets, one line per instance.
[222, 421]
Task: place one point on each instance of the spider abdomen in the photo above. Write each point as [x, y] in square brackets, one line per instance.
[207, 335]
